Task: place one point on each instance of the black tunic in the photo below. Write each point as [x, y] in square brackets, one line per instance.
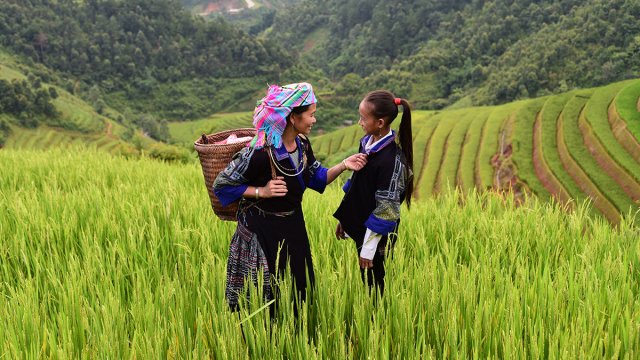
[274, 223]
[374, 192]
[372, 200]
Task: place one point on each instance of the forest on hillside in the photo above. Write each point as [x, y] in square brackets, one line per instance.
[156, 59]
[438, 52]
[149, 55]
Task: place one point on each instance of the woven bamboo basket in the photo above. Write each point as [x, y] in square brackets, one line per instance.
[215, 158]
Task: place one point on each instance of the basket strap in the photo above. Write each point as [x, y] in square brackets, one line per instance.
[273, 168]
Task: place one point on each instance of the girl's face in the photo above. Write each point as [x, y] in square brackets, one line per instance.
[303, 122]
[368, 121]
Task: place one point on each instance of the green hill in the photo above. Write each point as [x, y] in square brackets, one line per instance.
[76, 123]
[149, 56]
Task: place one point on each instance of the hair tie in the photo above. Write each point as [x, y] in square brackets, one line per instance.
[397, 101]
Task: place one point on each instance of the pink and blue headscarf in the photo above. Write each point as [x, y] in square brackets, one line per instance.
[270, 115]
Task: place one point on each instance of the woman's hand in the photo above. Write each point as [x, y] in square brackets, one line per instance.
[356, 162]
[274, 188]
[365, 263]
[340, 234]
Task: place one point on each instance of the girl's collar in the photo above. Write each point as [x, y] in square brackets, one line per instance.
[379, 145]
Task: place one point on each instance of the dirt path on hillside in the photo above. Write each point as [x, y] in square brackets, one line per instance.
[506, 179]
[542, 170]
[605, 161]
[109, 131]
[582, 180]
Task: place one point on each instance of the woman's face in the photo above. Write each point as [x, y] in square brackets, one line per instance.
[368, 121]
[303, 122]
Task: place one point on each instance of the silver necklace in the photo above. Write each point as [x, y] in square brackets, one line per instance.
[303, 164]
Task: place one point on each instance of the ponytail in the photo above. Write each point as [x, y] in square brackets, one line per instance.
[385, 106]
[406, 145]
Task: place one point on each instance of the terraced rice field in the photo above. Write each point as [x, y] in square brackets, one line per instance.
[46, 137]
[584, 144]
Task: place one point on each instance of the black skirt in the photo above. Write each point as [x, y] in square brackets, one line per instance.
[255, 245]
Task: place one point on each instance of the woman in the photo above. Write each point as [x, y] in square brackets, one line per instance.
[370, 210]
[269, 178]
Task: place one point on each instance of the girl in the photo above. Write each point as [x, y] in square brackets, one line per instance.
[269, 177]
[370, 210]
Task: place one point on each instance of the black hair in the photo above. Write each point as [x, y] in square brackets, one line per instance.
[383, 104]
[298, 110]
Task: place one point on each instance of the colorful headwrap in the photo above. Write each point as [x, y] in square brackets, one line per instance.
[270, 115]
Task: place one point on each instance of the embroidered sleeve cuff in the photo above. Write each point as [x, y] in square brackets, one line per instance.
[379, 226]
[319, 180]
[370, 245]
[229, 194]
[346, 185]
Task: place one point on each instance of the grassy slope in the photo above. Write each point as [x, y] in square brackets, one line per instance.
[569, 144]
[550, 112]
[627, 103]
[580, 153]
[423, 128]
[90, 128]
[523, 146]
[596, 113]
[448, 172]
[467, 168]
[435, 163]
[437, 146]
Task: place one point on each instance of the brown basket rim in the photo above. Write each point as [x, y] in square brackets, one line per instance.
[225, 133]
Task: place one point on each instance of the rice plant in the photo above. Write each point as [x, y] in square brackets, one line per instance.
[105, 257]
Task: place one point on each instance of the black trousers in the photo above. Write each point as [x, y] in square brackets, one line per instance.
[374, 277]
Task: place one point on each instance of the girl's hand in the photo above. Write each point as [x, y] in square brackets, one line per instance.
[365, 263]
[274, 188]
[356, 161]
[340, 234]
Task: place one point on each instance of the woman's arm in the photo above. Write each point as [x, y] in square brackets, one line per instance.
[354, 162]
[321, 176]
[274, 188]
[233, 182]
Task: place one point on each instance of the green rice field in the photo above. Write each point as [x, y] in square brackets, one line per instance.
[104, 257]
